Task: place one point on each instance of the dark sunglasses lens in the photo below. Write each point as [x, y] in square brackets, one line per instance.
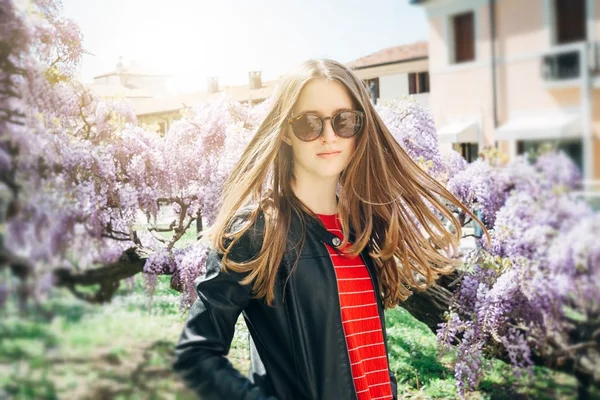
[347, 123]
[307, 126]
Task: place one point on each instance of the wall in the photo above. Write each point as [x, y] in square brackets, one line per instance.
[465, 89]
[393, 80]
[149, 120]
[152, 84]
[393, 87]
[393, 69]
[524, 32]
[596, 130]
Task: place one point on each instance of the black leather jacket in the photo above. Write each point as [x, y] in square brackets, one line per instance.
[298, 348]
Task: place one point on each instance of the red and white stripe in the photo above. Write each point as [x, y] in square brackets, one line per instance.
[360, 318]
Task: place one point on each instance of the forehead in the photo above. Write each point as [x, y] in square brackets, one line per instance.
[323, 96]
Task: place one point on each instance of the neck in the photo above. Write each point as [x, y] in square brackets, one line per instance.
[317, 194]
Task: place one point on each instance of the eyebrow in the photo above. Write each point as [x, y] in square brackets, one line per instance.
[318, 112]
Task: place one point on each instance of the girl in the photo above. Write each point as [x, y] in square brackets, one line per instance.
[325, 221]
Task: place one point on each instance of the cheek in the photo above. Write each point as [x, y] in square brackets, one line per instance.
[351, 148]
[349, 151]
[301, 150]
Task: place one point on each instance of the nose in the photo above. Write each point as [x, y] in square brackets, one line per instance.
[328, 134]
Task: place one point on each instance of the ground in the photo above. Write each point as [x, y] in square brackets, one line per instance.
[123, 350]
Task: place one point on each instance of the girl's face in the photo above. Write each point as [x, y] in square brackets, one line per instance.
[328, 155]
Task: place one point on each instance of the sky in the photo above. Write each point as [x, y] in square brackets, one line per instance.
[196, 39]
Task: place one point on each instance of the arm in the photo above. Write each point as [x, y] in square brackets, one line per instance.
[206, 338]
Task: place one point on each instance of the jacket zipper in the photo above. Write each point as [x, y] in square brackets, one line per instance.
[342, 322]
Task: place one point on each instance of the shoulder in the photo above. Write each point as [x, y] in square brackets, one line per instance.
[248, 225]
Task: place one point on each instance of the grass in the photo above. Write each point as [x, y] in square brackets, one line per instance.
[120, 350]
[123, 350]
[423, 373]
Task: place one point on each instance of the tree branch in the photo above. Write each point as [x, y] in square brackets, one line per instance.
[430, 306]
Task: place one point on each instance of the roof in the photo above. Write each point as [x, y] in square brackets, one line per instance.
[159, 105]
[460, 131]
[392, 55]
[106, 90]
[541, 126]
[132, 70]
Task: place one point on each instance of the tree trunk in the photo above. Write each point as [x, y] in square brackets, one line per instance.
[430, 305]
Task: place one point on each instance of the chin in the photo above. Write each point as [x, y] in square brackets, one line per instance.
[329, 173]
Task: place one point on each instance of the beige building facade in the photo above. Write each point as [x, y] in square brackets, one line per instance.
[131, 82]
[517, 74]
[396, 73]
[161, 112]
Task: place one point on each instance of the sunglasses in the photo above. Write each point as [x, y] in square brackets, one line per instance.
[309, 126]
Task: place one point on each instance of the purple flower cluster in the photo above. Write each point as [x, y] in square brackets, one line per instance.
[414, 129]
[91, 183]
[543, 261]
[559, 170]
[527, 224]
[481, 187]
[454, 163]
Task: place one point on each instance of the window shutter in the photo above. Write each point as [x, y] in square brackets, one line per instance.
[464, 37]
[412, 83]
[424, 82]
[570, 21]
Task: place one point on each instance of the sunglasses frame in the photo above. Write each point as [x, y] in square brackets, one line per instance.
[291, 120]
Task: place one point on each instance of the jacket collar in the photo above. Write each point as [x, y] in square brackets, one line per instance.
[317, 228]
[322, 234]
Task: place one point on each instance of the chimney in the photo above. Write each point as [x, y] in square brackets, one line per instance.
[254, 81]
[120, 67]
[213, 85]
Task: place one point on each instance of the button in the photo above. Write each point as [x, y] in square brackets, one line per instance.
[336, 241]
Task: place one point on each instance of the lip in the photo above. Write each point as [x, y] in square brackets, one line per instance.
[328, 153]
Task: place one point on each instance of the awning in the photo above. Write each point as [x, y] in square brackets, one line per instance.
[551, 126]
[465, 131]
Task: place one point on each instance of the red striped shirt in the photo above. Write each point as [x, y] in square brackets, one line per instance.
[360, 318]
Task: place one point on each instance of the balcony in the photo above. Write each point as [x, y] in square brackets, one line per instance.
[565, 65]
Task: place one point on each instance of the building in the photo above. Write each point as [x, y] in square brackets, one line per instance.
[517, 74]
[132, 83]
[391, 73]
[163, 111]
[396, 72]
[157, 110]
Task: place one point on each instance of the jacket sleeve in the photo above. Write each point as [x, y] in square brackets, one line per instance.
[393, 380]
[206, 338]
[394, 383]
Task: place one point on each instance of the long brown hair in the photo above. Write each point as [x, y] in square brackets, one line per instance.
[392, 205]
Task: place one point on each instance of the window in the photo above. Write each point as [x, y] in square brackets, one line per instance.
[373, 88]
[572, 148]
[464, 37]
[569, 20]
[424, 82]
[162, 128]
[418, 82]
[469, 151]
[561, 66]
